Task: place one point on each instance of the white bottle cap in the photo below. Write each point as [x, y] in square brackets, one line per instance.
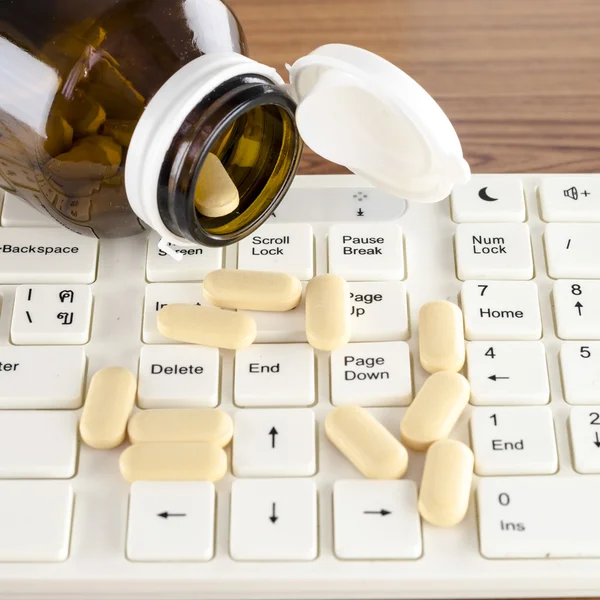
[354, 108]
[358, 110]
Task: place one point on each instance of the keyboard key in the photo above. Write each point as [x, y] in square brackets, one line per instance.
[288, 326]
[572, 250]
[274, 443]
[287, 247]
[570, 198]
[273, 519]
[366, 252]
[275, 375]
[161, 294]
[493, 251]
[493, 199]
[46, 255]
[508, 373]
[171, 521]
[58, 381]
[35, 520]
[371, 374]
[501, 310]
[52, 314]
[584, 424]
[18, 213]
[328, 204]
[580, 367]
[376, 520]
[178, 377]
[513, 441]
[378, 311]
[577, 309]
[37, 444]
[539, 517]
[194, 265]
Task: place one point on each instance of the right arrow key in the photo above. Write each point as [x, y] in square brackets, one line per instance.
[376, 520]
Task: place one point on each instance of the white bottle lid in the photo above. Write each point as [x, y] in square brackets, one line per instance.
[358, 110]
[355, 109]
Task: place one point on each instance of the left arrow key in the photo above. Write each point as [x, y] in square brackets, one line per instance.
[185, 533]
[166, 515]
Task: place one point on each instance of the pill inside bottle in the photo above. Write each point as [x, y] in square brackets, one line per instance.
[216, 193]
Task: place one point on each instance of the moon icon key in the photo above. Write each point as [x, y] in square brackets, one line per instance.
[485, 196]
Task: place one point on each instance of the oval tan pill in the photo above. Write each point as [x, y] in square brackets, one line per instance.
[107, 407]
[441, 337]
[173, 462]
[216, 193]
[252, 290]
[206, 326]
[435, 410]
[366, 443]
[181, 425]
[327, 312]
[446, 483]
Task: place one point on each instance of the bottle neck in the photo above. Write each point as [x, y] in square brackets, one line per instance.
[248, 123]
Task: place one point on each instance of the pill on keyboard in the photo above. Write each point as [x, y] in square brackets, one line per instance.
[446, 483]
[366, 443]
[327, 312]
[252, 290]
[441, 337]
[435, 410]
[107, 408]
[173, 462]
[216, 193]
[206, 326]
[181, 425]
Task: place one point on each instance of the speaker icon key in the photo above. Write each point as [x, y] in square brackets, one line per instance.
[573, 193]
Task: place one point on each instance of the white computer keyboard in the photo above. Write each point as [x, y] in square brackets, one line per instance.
[295, 519]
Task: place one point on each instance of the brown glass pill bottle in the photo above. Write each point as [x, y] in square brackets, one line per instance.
[110, 108]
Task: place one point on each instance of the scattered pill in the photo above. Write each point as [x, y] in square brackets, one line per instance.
[206, 326]
[446, 483]
[327, 312]
[366, 443]
[441, 337]
[107, 407]
[173, 462]
[435, 410]
[216, 194]
[181, 425]
[252, 290]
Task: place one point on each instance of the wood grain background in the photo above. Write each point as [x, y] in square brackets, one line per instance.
[520, 79]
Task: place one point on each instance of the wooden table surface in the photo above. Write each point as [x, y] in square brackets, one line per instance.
[520, 79]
